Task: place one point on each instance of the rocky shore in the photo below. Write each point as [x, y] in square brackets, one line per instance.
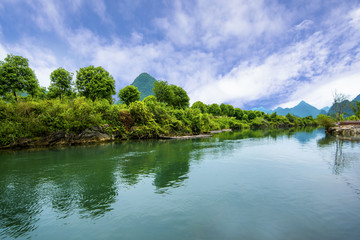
[346, 130]
[93, 135]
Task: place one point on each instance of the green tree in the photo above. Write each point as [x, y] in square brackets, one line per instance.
[200, 105]
[95, 83]
[214, 109]
[16, 76]
[163, 92]
[140, 112]
[171, 94]
[180, 98]
[227, 110]
[325, 121]
[238, 113]
[251, 115]
[129, 94]
[339, 105]
[356, 109]
[61, 83]
[290, 117]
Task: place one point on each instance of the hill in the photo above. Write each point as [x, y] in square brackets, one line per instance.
[347, 110]
[303, 109]
[145, 83]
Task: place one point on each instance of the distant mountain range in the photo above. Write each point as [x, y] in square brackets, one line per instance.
[347, 110]
[303, 109]
[145, 83]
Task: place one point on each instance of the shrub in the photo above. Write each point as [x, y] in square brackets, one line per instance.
[325, 121]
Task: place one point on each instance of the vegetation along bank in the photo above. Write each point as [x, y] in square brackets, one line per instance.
[82, 111]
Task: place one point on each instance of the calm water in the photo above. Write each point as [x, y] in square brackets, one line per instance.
[239, 185]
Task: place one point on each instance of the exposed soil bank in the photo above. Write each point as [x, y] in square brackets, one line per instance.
[93, 135]
[60, 139]
[346, 130]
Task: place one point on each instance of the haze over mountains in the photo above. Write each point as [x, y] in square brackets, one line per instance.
[303, 109]
[145, 83]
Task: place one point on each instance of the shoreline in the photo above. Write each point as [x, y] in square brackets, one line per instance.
[349, 131]
[89, 136]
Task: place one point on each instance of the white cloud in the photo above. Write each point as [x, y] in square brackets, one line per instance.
[212, 23]
[304, 24]
[99, 6]
[212, 49]
[276, 74]
[47, 16]
[3, 52]
[43, 61]
[320, 94]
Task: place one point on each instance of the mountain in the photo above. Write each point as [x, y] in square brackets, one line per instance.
[347, 110]
[326, 109]
[145, 83]
[357, 98]
[303, 109]
[262, 109]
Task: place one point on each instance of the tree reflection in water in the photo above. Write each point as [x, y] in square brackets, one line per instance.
[341, 159]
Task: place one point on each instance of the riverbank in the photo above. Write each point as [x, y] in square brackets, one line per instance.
[89, 136]
[346, 130]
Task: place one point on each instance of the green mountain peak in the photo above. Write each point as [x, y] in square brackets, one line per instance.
[145, 83]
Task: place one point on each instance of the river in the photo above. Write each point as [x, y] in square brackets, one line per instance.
[279, 184]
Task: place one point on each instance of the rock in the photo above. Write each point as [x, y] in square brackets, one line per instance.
[90, 135]
[347, 132]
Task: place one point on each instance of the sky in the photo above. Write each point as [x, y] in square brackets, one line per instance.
[246, 53]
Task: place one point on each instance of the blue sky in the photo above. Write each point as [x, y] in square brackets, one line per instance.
[246, 53]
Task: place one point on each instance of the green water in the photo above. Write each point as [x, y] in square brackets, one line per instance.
[238, 185]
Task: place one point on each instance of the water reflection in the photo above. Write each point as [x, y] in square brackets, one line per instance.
[341, 159]
[87, 180]
[18, 207]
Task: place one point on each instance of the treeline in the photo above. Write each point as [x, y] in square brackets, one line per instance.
[30, 111]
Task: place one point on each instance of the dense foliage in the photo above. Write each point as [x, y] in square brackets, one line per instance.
[16, 76]
[95, 83]
[173, 95]
[40, 113]
[60, 84]
[129, 94]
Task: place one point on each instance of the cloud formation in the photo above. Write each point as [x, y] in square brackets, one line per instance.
[245, 53]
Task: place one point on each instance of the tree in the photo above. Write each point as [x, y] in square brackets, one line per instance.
[356, 109]
[180, 98]
[162, 92]
[171, 94]
[325, 121]
[16, 76]
[140, 112]
[251, 115]
[338, 103]
[200, 105]
[238, 113]
[214, 109]
[61, 83]
[95, 82]
[227, 110]
[129, 94]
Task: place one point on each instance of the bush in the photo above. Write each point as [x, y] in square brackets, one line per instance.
[325, 121]
[140, 113]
